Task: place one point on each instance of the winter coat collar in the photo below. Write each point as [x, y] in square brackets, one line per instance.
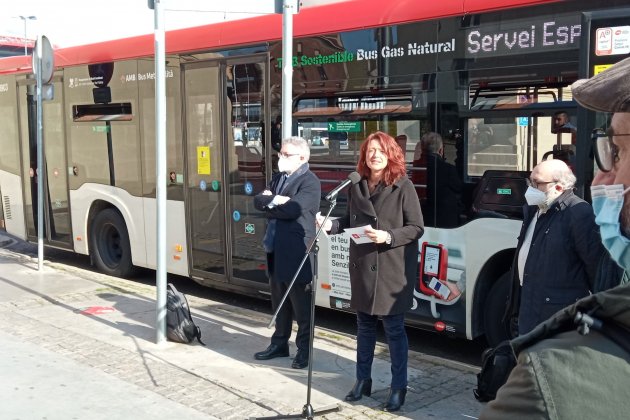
[369, 204]
[566, 199]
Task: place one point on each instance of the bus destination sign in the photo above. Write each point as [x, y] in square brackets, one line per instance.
[556, 33]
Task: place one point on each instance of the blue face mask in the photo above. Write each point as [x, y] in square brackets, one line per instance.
[607, 204]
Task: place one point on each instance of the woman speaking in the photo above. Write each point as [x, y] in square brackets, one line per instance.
[383, 271]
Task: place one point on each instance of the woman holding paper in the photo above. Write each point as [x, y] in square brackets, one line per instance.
[383, 270]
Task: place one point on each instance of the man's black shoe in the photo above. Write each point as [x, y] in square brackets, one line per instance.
[301, 360]
[272, 351]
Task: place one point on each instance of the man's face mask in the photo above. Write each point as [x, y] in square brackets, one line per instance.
[607, 205]
[288, 164]
[535, 197]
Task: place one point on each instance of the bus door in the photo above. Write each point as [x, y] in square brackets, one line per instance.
[224, 111]
[519, 141]
[58, 230]
[604, 43]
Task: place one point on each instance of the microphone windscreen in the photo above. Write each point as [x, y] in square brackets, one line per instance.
[354, 177]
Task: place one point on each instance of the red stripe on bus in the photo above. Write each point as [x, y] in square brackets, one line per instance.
[329, 18]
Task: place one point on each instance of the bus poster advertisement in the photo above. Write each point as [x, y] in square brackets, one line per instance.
[338, 249]
[433, 265]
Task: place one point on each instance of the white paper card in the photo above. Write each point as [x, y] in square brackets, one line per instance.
[358, 234]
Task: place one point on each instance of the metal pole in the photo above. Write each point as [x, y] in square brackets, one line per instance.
[160, 160]
[40, 172]
[25, 18]
[25, 49]
[287, 67]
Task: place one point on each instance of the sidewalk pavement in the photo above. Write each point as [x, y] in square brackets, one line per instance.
[81, 345]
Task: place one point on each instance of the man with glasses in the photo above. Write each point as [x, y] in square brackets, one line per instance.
[564, 372]
[609, 274]
[290, 202]
[558, 248]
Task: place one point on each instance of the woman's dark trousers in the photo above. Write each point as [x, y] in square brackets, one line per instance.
[398, 346]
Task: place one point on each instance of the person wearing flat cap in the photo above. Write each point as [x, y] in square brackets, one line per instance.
[576, 365]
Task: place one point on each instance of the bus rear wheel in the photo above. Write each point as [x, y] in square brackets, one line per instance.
[497, 329]
[109, 244]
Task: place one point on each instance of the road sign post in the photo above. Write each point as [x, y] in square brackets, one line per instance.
[43, 68]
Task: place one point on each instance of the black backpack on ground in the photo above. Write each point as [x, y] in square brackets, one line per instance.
[496, 365]
[180, 327]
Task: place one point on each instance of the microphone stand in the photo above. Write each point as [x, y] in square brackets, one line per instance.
[307, 410]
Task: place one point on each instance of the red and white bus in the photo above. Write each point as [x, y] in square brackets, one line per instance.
[488, 75]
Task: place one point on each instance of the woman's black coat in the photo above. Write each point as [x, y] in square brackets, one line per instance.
[382, 276]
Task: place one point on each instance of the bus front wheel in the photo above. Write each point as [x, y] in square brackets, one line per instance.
[494, 310]
[109, 244]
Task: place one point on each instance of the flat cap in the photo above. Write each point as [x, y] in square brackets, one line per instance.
[608, 91]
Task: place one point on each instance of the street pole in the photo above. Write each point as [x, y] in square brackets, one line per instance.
[25, 34]
[160, 163]
[289, 7]
[25, 18]
[39, 173]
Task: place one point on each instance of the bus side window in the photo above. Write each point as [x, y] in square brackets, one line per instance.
[419, 175]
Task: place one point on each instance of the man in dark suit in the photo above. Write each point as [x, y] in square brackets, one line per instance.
[444, 187]
[558, 248]
[290, 202]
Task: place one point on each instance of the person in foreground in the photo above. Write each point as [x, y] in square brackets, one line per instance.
[382, 272]
[290, 203]
[586, 374]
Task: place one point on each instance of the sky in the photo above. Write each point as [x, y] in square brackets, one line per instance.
[74, 22]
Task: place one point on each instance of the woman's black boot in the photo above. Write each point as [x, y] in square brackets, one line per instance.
[395, 400]
[361, 387]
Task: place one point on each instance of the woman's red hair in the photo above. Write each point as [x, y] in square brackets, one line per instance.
[395, 168]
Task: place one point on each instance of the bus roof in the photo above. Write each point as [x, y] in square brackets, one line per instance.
[14, 41]
[328, 18]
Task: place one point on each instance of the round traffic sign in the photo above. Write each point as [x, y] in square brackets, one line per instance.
[47, 58]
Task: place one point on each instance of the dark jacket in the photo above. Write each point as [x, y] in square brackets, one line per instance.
[569, 375]
[382, 276]
[609, 274]
[562, 262]
[444, 189]
[295, 225]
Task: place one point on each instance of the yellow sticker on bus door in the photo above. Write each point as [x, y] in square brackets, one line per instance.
[203, 160]
[600, 68]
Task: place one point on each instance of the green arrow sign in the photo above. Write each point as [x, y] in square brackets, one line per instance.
[344, 126]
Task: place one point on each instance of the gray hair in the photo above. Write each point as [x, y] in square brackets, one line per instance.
[301, 144]
[431, 142]
[563, 175]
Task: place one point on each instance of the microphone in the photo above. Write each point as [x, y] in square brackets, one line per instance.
[353, 178]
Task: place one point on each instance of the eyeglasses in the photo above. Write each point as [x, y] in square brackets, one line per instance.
[605, 150]
[288, 155]
[534, 184]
